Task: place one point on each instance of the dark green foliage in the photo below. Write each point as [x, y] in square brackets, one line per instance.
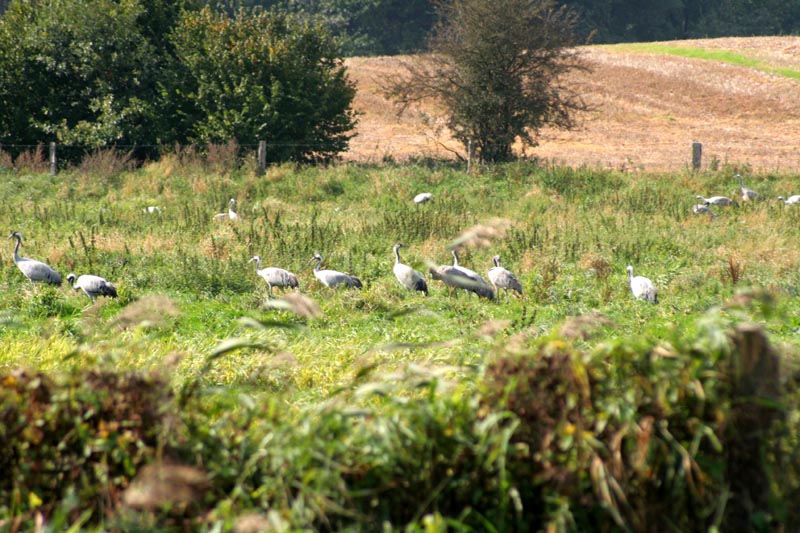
[265, 76]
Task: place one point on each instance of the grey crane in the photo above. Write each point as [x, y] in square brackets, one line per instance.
[642, 287]
[715, 200]
[794, 199]
[34, 270]
[274, 276]
[422, 197]
[748, 195]
[407, 276]
[703, 209]
[333, 278]
[231, 214]
[459, 277]
[502, 278]
[92, 286]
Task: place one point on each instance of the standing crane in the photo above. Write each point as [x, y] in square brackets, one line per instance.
[333, 278]
[92, 286]
[502, 278]
[459, 277]
[748, 195]
[642, 287]
[231, 214]
[407, 276]
[34, 270]
[274, 276]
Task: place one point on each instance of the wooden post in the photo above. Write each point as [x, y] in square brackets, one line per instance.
[262, 156]
[53, 159]
[697, 156]
[469, 155]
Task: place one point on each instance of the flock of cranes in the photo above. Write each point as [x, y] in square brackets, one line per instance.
[455, 276]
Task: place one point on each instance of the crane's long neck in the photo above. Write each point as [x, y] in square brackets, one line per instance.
[496, 261]
[258, 263]
[396, 255]
[318, 265]
[16, 248]
[455, 259]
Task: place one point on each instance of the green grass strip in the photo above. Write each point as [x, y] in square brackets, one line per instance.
[723, 56]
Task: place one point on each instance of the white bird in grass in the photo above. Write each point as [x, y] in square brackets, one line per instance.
[34, 270]
[459, 277]
[92, 286]
[748, 195]
[502, 278]
[231, 214]
[703, 209]
[715, 200]
[407, 276]
[794, 199]
[274, 276]
[152, 209]
[642, 287]
[422, 197]
[333, 278]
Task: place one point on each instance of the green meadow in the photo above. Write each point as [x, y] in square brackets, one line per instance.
[309, 420]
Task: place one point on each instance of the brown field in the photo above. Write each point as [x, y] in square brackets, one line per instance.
[648, 109]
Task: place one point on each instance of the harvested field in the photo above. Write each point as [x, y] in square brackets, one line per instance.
[649, 105]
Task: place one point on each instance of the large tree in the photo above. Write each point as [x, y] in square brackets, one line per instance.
[497, 67]
[265, 76]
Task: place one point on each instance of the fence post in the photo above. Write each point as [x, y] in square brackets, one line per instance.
[262, 156]
[53, 159]
[697, 155]
[469, 155]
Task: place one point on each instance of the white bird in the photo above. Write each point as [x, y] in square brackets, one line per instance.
[152, 209]
[422, 197]
[748, 195]
[715, 200]
[459, 277]
[502, 278]
[231, 214]
[407, 276]
[274, 276]
[794, 199]
[34, 270]
[642, 287]
[92, 286]
[333, 278]
[703, 209]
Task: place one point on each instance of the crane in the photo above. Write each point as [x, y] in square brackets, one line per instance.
[715, 200]
[748, 195]
[422, 197]
[794, 199]
[231, 214]
[459, 277]
[274, 276]
[333, 278]
[34, 270]
[502, 278]
[642, 287]
[407, 276]
[703, 209]
[92, 286]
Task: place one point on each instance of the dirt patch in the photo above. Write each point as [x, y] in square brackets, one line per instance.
[648, 109]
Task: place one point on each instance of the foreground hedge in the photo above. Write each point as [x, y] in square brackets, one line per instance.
[681, 434]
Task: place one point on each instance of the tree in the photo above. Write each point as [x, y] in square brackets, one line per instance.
[265, 76]
[496, 66]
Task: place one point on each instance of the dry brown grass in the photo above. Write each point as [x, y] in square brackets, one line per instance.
[648, 110]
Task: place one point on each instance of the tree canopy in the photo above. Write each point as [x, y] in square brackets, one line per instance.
[496, 65]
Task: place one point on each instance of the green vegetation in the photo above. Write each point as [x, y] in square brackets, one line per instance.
[392, 410]
[723, 56]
